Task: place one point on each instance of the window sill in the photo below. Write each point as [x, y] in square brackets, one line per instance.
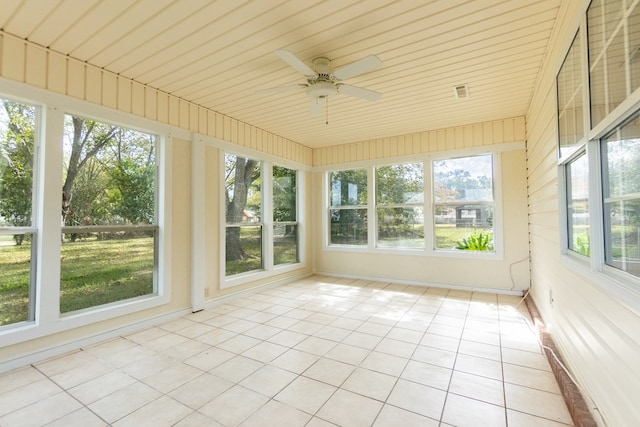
[26, 331]
[620, 286]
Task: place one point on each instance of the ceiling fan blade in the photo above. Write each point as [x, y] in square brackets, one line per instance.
[364, 65]
[281, 89]
[295, 63]
[359, 92]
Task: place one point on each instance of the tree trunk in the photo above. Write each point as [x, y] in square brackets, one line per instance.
[244, 176]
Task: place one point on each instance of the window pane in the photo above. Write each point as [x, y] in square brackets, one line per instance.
[17, 135]
[243, 195]
[103, 267]
[284, 194]
[15, 274]
[109, 187]
[570, 122]
[285, 244]
[243, 249]
[348, 188]
[578, 206]
[401, 228]
[400, 184]
[463, 179]
[621, 173]
[634, 40]
[453, 224]
[463, 208]
[348, 226]
[109, 176]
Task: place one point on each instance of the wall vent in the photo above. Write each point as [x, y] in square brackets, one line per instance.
[461, 91]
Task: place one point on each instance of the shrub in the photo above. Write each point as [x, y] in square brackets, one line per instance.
[478, 241]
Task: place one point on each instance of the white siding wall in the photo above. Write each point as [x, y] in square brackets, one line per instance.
[598, 335]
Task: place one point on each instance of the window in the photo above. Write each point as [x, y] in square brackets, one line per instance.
[17, 229]
[348, 207]
[463, 203]
[400, 205]
[570, 93]
[621, 188]
[613, 67]
[109, 214]
[577, 172]
[244, 227]
[285, 223]
[599, 160]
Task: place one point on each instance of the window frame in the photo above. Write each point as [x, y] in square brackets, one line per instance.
[267, 222]
[621, 285]
[47, 319]
[33, 229]
[427, 159]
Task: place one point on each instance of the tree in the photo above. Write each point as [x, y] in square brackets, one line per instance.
[16, 166]
[240, 174]
[88, 138]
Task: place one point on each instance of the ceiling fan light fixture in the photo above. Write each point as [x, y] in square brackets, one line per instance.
[321, 89]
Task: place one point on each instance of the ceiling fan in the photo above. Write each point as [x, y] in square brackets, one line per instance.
[323, 81]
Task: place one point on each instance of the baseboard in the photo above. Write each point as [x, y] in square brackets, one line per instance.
[580, 413]
[423, 283]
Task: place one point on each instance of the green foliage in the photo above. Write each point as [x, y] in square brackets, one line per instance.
[16, 164]
[582, 245]
[478, 241]
[94, 272]
[133, 198]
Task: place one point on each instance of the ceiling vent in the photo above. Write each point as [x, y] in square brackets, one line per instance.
[461, 91]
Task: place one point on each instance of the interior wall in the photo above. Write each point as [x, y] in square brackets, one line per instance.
[597, 333]
[34, 66]
[508, 274]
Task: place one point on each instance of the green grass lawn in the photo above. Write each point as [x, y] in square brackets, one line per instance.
[93, 272]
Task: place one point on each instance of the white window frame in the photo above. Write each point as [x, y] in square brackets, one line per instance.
[47, 217]
[427, 159]
[621, 285]
[268, 268]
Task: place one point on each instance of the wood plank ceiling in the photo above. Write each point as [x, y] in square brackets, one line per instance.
[219, 53]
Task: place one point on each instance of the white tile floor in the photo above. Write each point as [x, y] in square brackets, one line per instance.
[319, 352]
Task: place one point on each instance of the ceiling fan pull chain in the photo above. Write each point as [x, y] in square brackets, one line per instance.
[327, 111]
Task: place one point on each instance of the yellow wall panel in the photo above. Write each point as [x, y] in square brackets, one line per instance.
[163, 107]
[75, 79]
[226, 128]
[458, 137]
[183, 113]
[150, 103]
[137, 99]
[13, 58]
[36, 72]
[211, 123]
[109, 90]
[498, 132]
[468, 136]
[124, 94]
[57, 73]
[174, 111]
[202, 120]
[194, 117]
[93, 86]
[219, 128]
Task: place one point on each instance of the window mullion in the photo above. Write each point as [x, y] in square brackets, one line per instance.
[596, 216]
[372, 212]
[267, 216]
[48, 216]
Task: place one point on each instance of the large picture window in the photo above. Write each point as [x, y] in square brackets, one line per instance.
[463, 204]
[110, 229]
[348, 199]
[17, 231]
